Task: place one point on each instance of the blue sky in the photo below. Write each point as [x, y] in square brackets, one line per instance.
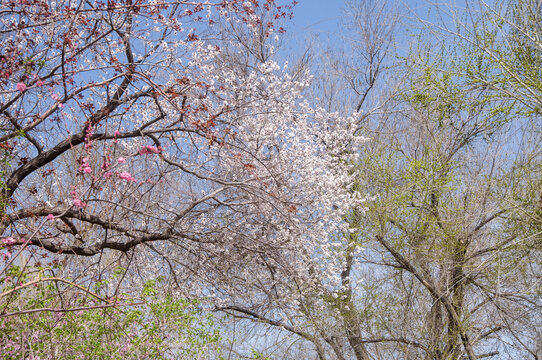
[323, 16]
[319, 16]
[311, 18]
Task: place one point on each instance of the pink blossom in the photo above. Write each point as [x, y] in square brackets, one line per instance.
[85, 167]
[149, 149]
[9, 241]
[20, 87]
[79, 203]
[6, 255]
[39, 83]
[126, 176]
[121, 160]
[88, 137]
[55, 97]
[116, 133]
[50, 217]
[108, 174]
[75, 198]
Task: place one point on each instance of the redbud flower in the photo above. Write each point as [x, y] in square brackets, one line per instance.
[50, 217]
[20, 87]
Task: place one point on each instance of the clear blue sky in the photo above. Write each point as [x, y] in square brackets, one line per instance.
[311, 18]
[317, 16]
[323, 15]
[323, 18]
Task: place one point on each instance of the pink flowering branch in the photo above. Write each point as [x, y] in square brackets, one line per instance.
[24, 243]
[134, 236]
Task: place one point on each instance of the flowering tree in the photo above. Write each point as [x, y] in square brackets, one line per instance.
[445, 262]
[128, 141]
